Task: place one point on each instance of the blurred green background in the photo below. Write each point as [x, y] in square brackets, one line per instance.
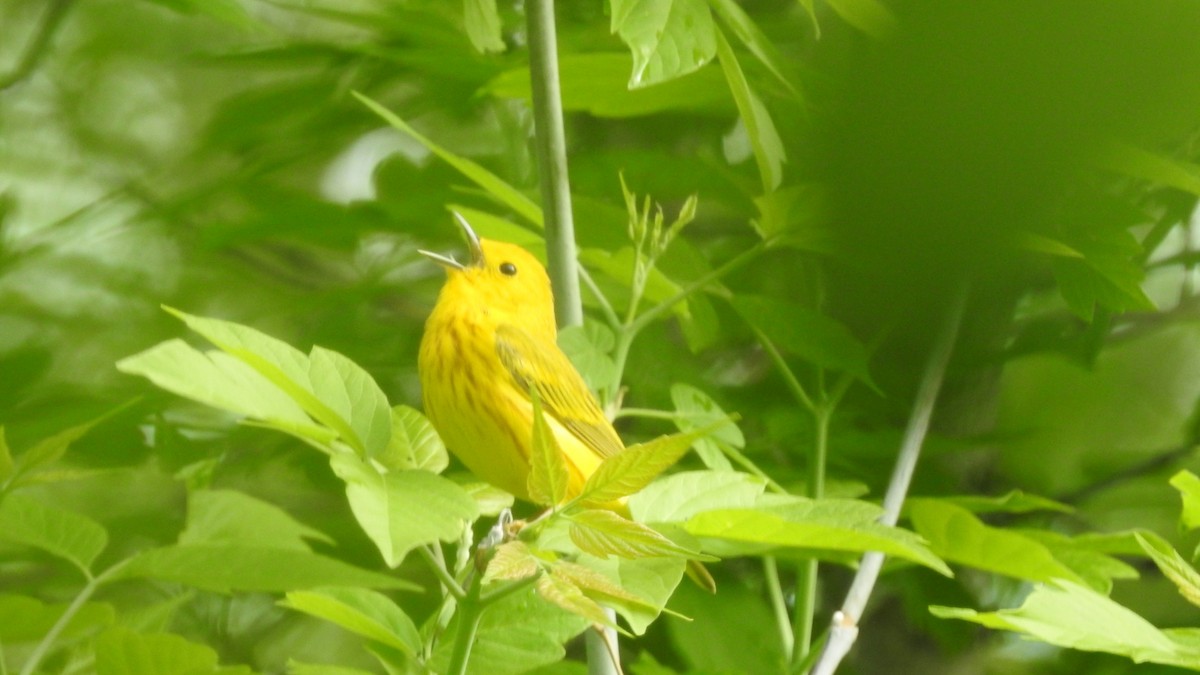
[209, 155]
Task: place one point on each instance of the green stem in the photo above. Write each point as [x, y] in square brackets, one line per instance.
[809, 571]
[649, 413]
[779, 606]
[665, 306]
[552, 161]
[39, 652]
[36, 49]
[785, 371]
[606, 308]
[844, 630]
[439, 570]
[470, 613]
[747, 464]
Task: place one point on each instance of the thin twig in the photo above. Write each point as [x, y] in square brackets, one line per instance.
[844, 630]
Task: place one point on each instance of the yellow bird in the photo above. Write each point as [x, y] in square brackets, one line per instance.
[489, 343]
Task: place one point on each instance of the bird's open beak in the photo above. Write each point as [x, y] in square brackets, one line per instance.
[473, 246]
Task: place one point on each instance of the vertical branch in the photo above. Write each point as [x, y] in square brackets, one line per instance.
[560, 226]
[552, 161]
[845, 621]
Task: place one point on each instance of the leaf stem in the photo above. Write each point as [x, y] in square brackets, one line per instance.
[844, 630]
[606, 308]
[39, 652]
[550, 140]
[439, 570]
[809, 570]
[470, 613]
[779, 606]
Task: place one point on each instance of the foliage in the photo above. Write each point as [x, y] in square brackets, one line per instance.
[775, 204]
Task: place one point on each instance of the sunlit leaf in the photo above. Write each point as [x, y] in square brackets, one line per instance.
[512, 560]
[813, 525]
[603, 533]
[634, 467]
[1053, 613]
[1173, 566]
[1013, 501]
[597, 83]
[746, 31]
[65, 534]
[958, 536]
[764, 139]
[414, 443]
[1158, 168]
[353, 394]
[360, 611]
[482, 22]
[652, 580]
[667, 38]
[400, 510]
[682, 495]
[548, 475]
[562, 592]
[1188, 485]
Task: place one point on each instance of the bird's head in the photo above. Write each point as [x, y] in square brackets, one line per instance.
[501, 278]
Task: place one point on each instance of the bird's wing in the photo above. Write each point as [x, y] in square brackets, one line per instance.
[561, 390]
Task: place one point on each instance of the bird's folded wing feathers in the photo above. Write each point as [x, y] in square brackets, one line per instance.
[563, 394]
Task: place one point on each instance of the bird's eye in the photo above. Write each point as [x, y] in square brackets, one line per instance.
[508, 269]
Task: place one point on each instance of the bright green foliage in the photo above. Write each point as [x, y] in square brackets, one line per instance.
[773, 203]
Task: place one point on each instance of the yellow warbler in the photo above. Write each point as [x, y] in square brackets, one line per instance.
[488, 344]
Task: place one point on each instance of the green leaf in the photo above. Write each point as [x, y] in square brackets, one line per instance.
[46, 451]
[1098, 569]
[1173, 566]
[696, 409]
[682, 495]
[65, 534]
[813, 525]
[562, 592]
[231, 517]
[634, 467]
[812, 336]
[224, 382]
[652, 580]
[326, 385]
[1042, 244]
[764, 139]
[749, 34]
[353, 395]
[360, 611]
[619, 267]
[491, 226]
[482, 22]
[603, 533]
[597, 586]
[414, 443]
[25, 619]
[958, 536]
[667, 38]
[733, 631]
[1070, 615]
[490, 182]
[122, 652]
[512, 560]
[1188, 485]
[1014, 501]
[241, 567]
[518, 633]
[548, 477]
[588, 347]
[870, 16]
[1157, 168]
[597, 83]
[401, 510]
